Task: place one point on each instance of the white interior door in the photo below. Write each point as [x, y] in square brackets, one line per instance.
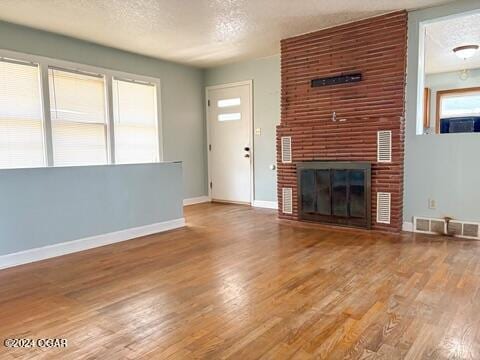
[230, 148]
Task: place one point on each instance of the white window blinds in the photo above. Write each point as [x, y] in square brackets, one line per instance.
[135, 122]
[78, 113]
[21, 126]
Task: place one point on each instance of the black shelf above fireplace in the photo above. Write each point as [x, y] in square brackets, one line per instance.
[335, 192]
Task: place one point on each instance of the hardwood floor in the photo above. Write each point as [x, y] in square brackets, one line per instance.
[237, 283]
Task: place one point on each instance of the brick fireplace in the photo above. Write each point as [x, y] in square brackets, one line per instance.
[341, 122]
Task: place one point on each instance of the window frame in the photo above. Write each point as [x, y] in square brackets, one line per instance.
[427, 99]
[105, 125]
[45, 63]
[4, 56]
[415, 73]
[442, 93]
[157, 113]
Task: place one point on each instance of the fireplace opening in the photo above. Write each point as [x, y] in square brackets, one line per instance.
[335, 192]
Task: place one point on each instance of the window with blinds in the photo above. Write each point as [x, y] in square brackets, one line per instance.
[74, 119]
[21, 125]
[78, 116]
[135, 122]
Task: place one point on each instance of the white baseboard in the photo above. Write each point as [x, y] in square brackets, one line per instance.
[265, 204]
[50, 251]
[407, 226]
[196, 200]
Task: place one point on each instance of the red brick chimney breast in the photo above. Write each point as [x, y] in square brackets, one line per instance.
[376, 48]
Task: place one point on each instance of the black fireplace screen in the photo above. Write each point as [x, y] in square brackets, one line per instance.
[335, 192]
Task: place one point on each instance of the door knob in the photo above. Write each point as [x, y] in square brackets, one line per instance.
[246, 148]
[247, 155]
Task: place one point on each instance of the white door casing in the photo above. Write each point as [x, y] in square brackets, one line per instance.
[230, 144]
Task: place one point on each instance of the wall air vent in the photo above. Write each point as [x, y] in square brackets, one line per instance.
[471, 230]
[384, 146]
[438, 226]
[422, 225]
[286, 149]
[455, 228]
[383, 207]
[287, 201]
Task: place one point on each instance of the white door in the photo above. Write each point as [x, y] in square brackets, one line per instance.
[230, 148]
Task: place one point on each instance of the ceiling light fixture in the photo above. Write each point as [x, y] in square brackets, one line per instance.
[466, 51]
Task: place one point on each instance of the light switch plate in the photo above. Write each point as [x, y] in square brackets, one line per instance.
[258, 131]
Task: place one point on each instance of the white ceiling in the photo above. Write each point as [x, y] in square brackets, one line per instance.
[204, 33]
[443, 36]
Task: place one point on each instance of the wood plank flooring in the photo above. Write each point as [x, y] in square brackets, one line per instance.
[237, 283]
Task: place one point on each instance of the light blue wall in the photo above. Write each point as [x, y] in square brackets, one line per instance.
[46, 206]
[182, 92]
[265, 74]
[446, 81]
[441, 167]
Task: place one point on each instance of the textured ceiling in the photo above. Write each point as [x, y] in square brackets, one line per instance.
[443, 36]
[198, 32]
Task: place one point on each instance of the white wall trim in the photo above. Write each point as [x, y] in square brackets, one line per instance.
[407, 226]
[265, 204]
[50, 251]
[196, 200]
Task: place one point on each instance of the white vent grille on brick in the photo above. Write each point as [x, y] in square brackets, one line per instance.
[286, 149]
[383, 207]
[287, 207]
[384, 146]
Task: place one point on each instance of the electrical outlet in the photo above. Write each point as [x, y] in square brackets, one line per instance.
[432, 204]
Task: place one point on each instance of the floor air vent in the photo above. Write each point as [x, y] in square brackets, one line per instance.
[455, 228]
[287, 202]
